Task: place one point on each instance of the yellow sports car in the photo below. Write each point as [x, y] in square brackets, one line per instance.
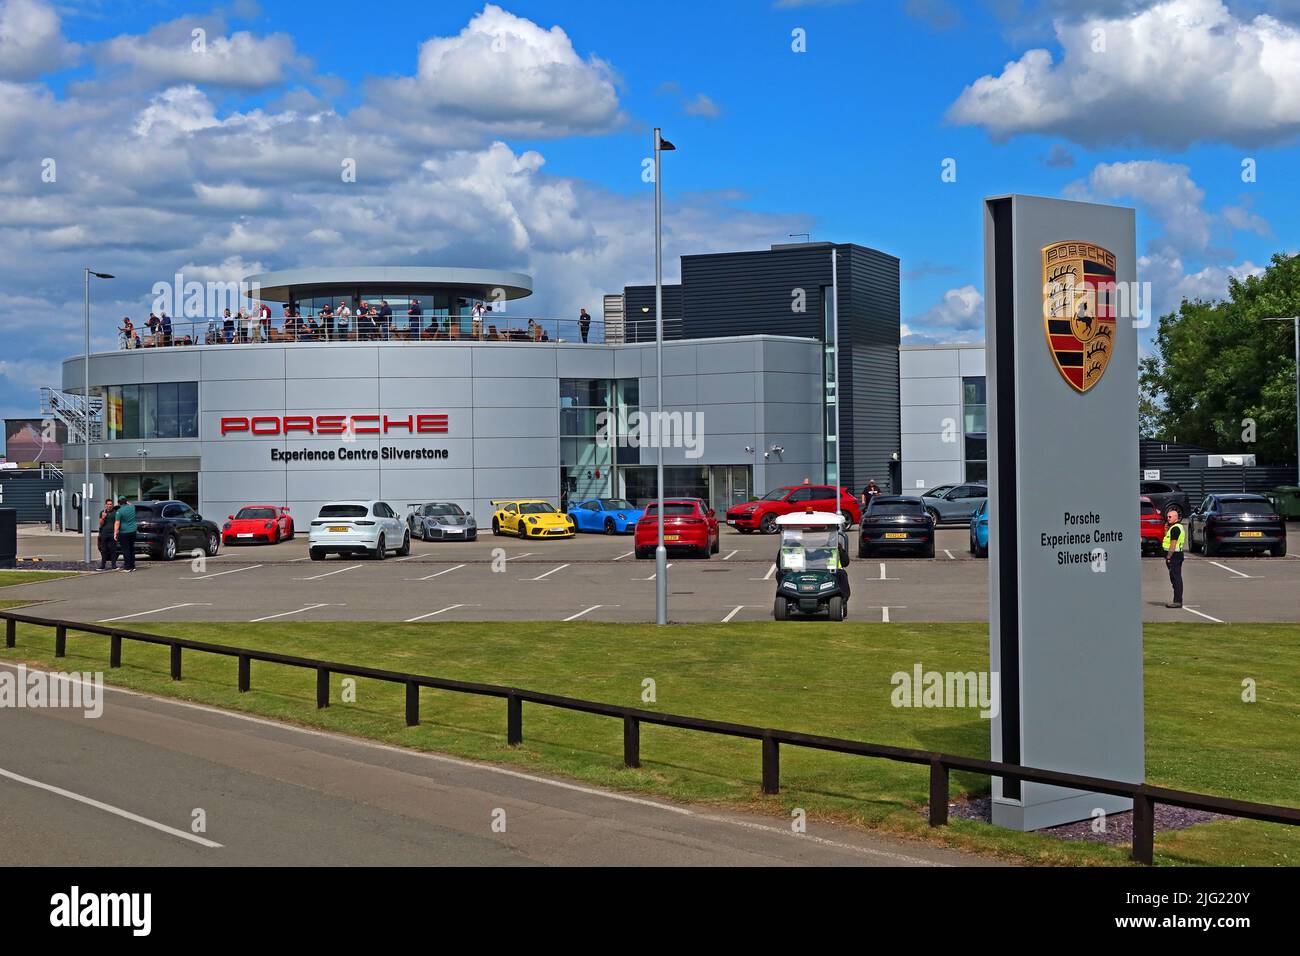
[530, 518]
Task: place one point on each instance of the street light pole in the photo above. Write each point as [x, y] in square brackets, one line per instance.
[1295, 321]
[661, 552]
[85, 422]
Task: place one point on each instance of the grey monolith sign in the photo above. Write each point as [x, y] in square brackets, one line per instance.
[1065, 631]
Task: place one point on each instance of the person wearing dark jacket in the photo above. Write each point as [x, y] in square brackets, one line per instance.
[107, 537]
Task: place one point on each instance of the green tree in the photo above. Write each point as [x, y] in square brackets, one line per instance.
[1218, 367]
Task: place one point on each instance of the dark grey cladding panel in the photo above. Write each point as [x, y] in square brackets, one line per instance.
[777, 292]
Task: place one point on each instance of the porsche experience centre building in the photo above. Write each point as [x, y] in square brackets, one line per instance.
[412, 384]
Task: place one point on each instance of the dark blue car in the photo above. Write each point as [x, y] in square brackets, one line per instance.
[605, 515]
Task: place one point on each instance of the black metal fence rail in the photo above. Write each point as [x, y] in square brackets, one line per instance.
[1145, 797]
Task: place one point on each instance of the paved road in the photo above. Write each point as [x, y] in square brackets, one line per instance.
[278, 795]
[596, 578]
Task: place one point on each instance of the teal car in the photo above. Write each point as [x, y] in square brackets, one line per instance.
[979, 530]
[605, 515]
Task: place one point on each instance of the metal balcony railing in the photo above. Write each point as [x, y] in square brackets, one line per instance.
[317, 327]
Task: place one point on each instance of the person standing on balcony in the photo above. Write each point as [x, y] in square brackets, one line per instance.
[385, 320]
[127, 331]
[228, 327]
[584, 323]
[165, 323]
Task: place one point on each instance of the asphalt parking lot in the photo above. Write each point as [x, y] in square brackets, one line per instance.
[590, 577]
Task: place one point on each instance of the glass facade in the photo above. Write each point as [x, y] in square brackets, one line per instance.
[974, 401]
[163, 410]
[162, 486]
[595, 417]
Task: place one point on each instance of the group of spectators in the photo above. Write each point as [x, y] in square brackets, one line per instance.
[369, 322]
[117, 530]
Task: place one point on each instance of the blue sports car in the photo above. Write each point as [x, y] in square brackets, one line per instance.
[605, 515]
[979, 530]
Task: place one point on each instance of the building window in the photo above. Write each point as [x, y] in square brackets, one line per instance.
[163, 410]
[161, 486]
[975, 427]
[594, 422]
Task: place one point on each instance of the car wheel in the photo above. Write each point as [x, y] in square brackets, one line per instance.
[835, 608]
[405, 549]
[768, 524]
[1192, 546]
[717, 543]
[863, 551]
[609, 526]
[317, 554]
[705, 552]
[169, 548]
[521, 529]
[781, 609]
[290, 535]
[642, 553]
[973, 545]
[424, 533]
[934, 516]
[214, 544]
[381, 551]
[276, 539]
[929, 550]
[496, 527]
[1211, 549]
[848, 520]
[1278, 550]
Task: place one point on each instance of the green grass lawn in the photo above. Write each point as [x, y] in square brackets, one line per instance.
[812, 677]
[8, 578]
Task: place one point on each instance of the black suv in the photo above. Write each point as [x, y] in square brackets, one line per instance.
[1165, 495]
[896, 522]
[166, 528]
[1246, 522]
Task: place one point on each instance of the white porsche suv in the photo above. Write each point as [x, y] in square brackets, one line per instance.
[358, 527]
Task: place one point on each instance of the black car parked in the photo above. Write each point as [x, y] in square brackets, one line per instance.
[1166, 494]
[1245, 522]
[167, 528]
[896, 522]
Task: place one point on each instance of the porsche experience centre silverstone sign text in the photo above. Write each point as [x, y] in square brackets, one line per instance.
[347, 427]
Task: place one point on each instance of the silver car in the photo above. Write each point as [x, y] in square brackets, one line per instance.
[441, 521]
[358, 527]
[953, 504]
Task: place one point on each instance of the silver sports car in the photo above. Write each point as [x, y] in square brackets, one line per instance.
[441, 521]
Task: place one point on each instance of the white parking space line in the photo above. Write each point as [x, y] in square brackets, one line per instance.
[731, 554]
[1199, 614]
[767, 577]
[217, 574]
[441, 610]
[436, 574]
[541, 577]
[309, 607]
[1226, 568]
[653, 574]
[408, 557]
[884, 611]
[883, 577]
[627, 555]
[317, 577]
[296, 560]
[526, 554]
[109, 808]
[732, 613]
[157, 610]
[950, 555]
[574, 617]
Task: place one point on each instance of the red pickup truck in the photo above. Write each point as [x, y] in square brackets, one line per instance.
[761, 515]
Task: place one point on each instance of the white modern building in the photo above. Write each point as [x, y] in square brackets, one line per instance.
[943, 415]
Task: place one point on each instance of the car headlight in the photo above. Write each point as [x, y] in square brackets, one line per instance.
[788, 584]
[622, 517]
[532, 521]
[827, 586]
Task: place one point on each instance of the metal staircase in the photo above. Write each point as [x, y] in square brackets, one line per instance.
[75, 413]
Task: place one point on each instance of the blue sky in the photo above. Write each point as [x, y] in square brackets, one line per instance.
[221, 162]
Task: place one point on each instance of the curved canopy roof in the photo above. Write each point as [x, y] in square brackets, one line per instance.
[304, 283]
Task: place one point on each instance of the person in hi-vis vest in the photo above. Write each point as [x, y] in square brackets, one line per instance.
[1175, 536]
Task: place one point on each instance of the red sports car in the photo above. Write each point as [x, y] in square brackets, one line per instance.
[1151, 526]
[761, 515]
[688, 525]
[267, 524]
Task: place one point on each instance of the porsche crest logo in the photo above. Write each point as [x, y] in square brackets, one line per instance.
[1079, 310]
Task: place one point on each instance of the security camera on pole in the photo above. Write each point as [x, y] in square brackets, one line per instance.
[661, 552]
